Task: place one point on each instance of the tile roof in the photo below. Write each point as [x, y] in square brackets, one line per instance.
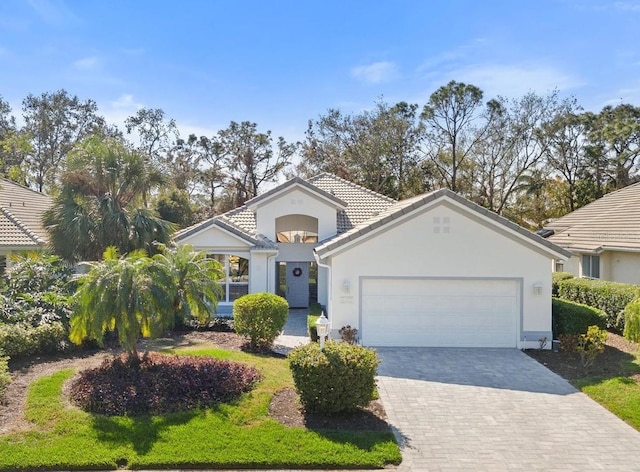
[21, 211]
[403, 207]
[359, 204]
[612, 221]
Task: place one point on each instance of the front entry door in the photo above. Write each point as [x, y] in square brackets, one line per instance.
[297, 284]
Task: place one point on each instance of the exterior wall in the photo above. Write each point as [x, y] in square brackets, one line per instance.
[296, 202]
[293, 252]
[616, 266]
[259, 273]
[466, 248]
[216, 239]
[624, 267]
[323, 284]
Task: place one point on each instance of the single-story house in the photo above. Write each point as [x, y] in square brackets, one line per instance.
[433, 270]
[604, 237]
[21, 211]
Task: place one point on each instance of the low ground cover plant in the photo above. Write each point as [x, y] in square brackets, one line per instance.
[339, 378]
[260, 317]
[158, 384]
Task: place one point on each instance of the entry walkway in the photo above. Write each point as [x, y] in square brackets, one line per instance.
[496, 410]
[294, 333]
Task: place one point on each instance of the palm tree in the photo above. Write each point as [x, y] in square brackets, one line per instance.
[102, 203]
[195, 280]
[131, 294]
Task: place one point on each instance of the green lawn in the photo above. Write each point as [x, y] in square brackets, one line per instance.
[231, 435]
[619, 394]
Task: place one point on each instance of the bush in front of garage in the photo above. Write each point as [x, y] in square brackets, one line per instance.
[571, 318]
[556, 278]
[340, 378]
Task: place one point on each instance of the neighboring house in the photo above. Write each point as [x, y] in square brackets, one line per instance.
[604, 237]
[434, 270]
[21, 211]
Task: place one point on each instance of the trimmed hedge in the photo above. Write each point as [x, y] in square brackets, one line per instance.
[261, 317]
[556, 278]
[571, 318]
[340, 378]
[22, 340]
[610, 297]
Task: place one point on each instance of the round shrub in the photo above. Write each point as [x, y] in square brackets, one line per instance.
[340, 378]
[157, 384]
[261, 317]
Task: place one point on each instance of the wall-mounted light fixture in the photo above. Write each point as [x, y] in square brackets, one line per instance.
[537, 288]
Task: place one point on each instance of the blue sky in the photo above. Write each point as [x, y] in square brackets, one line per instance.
[281, 63]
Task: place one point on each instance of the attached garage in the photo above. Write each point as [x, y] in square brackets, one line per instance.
[482, 312]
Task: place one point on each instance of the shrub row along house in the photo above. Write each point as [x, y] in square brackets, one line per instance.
[21, 211]
[433, 270]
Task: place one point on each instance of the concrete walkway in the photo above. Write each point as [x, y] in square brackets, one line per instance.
[294, 333]
[496, 410]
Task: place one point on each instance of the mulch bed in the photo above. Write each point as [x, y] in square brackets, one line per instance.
[285, 406]
[610, 363]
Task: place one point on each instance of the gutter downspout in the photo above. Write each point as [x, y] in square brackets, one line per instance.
[329, 284]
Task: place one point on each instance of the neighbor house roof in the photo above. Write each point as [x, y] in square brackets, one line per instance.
[354, 204]
[611, 222]
[394, 212]
[21, 211]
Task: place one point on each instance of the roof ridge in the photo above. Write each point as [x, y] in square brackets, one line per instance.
[24, 228]
[352, 184]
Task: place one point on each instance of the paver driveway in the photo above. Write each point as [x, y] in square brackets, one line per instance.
[496, 409]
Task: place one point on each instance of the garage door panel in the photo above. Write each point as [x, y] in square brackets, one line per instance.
[440, 312]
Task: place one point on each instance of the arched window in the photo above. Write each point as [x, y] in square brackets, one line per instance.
[297, 229]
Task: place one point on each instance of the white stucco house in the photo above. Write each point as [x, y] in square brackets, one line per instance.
[604, 237]
[433, 270]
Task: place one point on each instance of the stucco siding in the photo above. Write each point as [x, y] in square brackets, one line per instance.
[217, 239]
[296, 202]
[442, 242]
[624, 267]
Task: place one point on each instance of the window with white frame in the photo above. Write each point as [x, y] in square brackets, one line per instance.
[591, 266]
[235, 282]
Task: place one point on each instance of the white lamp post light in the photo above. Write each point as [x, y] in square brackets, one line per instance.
[322, 327]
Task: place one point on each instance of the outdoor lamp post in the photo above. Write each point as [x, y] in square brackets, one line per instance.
[322, 327]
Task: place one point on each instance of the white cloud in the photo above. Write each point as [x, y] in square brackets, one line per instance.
[87, 63]
[513, 80]
[627, 6]
[54, 12]
[376, 72]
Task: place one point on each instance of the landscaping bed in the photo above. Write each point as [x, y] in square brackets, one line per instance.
[40, 429]
[616, 360]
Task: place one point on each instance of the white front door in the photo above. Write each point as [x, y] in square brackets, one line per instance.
[297, 284]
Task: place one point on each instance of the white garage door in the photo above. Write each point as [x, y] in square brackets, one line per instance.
[440, 312]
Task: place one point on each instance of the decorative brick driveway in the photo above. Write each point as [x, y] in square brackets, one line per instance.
[496, 409]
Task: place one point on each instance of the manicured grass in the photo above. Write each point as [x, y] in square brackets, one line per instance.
[229, 435]
[620, 395]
